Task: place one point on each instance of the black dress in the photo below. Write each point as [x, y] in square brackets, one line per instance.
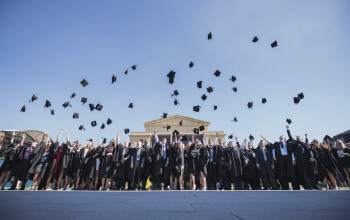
[107, 163]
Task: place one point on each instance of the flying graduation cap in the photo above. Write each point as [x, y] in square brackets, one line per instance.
[47, 104]
[184, 138]
[83, 100]
[52, 112]
[114, 78]
[199, 84]
[263, 100]
[23, 109]
[109, 121]
[99, 107]
[126, 130]
[210, 89]
[235, 119]
[255, 39]
[196, 130]
[81, 127]
[250, 105]
[301, 95]
[76, 115]
[93, 123]
[66, 104]
[104, 140]
[230, 136]
[131, 105]
[176, 102]
[180, 123]
[196, 108]
[274, 44]
[251, 137]
[126, 72]
[73, 95]
[215, 107]
[296, 100]
[171, 76]
[201, 128]
[134, 67]
[168, 127]
[217, 73]
[84, 82]
[209, 36]
[164, 115]
[103, 126]
[289, 121]
[191, 64]
[234, 89]
[33, 98]
[91, 106]
[176, 93]
[233, 78]
[204, 97]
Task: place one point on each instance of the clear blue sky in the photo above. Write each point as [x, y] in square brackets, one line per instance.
[48, 47]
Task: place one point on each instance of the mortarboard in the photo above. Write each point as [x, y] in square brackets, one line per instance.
[93, 123]
[83, 100]
[131, 105]
[196, 108]
[171, 76]
[217, 73]
[84, 83]
[274, 44]
[109, 121]
[91, 106]
[126, 72]
[255, 39]
[301, 95]
[164, 115]
[231, 136]
[184, 138]
[233, 78]
[103, 126]
[47, 104]
[201, 128]
[204, 97]
[210, 89]
[263, 100]
[215, 107]
[209, 36]
[126, 130]
[251, 137]
[23, 109]
[289, 121]
[199, 84]
[196, 130]
[296, 100]
[52, 112]
[176, 93]
[234, 89]
[81, 127]
[33, 98]
[327, 137]
[114, 78]
[176, 102]
[168, 127]
[66, 104]
[99, 107]
[73, 95]
[104, 140]
[134, 67]
[191, 64]
[76, 115]
[180, 123]
[250, 105]
[235, 119]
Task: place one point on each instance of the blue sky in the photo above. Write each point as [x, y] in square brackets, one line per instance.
[48, 47]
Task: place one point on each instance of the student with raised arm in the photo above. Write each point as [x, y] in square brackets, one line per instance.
[122, 165]
[146, 165]
[212, 163]
[250, 173]
[161, 162]
[10, 161]
[107, 164]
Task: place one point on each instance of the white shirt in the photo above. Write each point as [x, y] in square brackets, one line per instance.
[85, 152]
[182, 159]
[340, 153]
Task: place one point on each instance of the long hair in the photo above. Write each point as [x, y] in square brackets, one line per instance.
[339, 145]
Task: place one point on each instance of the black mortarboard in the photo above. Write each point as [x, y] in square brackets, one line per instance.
[33, 98]
[176, 102]
[196, 130]
[234, 89]
[126, 72]
[52, 112]
[274, 44]
[201, 128]
[210, 89]
[171, 76]
[131, 105]
[114, 78]
[23, 109]
[251, 137]
[215, 107]
[289, 121]
[231, 136]
[99, 107]
[134, 67]
[104, 140]
[103, 126]
[196, 108]
[327, 137]
[204, 97]
[84, 83]
[250, 104]
[263, 100]
[73, 95]
[184, 138]
[93, 123]
[235, 119]
[191, 64]
[164, 115]
[209, 36]
[126, 130]
[296, 100]
[301, 95]
[81, 127]
[47, 104]
[217, 73]
[255, 39]
[176, 93]
[83, 100]
[199, 84]
[91, 106]
[109, 121]
[76, 115]
[66, 104]
[176, 132]
[180, 123]
[233, 78]
[168, 127]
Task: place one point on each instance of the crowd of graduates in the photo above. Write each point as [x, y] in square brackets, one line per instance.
[178, 164]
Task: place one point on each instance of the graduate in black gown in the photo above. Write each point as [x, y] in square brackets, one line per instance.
[224, 165]
[97, 165]
[122, 164]
[107, 164]
[212, 163]
[63, 163]
[146, 168]
[137, 162]
[161, 154]
[343, 157]
[236, 159]
[79, 163]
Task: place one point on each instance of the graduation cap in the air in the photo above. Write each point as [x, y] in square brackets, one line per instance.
[180, 123]
[126, 130]
[83, 100]
[263, 100]
[230, 136]
[66, 104]
[235, 119]
[52, 112]
[168, 127]
[201, 128]
[204, 97]
[250, 105]
[196, 108]
[47, 104]
[99, 107]
[191, 64]
[171, 76]
[296, 100]
[176, 132]
[114, 78]
[199, 84]
[209, 36]
[176, 102]
[23, 109]
[184, 138]
[289, 121]
[327, 137]
[91, 106]
[126, 72]
[217, 73]
[131, 105]
[251, 137]
[176, 93]
[234, 89]
[233, 78]
[76, 115]
[81, 127]
[196, 130]
[104, 140]
[84, 83]
[134, 67]
[164, 115]
[274, 44]
[103, 126]
[210, 89]
[215, 107]
[109, 121]
[33, 98]
[73, 95]
[255, 39]
[93, 123]
[301, 95]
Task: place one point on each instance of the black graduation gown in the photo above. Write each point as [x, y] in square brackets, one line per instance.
[178, 162]
[192, 160]
[66, 155]
[107, 163]
[38, 154]
[147, 166]
[236, 162]
[283, 171]
[223, 165]
[159, 168]
[328, 161]
[172, 159]
[203, 160]
[122, 168]
[9, 163]
[250, 170]
[265, 166]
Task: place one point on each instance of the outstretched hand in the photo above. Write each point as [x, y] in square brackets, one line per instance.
[287, 126]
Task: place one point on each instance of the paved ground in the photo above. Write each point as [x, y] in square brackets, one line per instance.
[177, 205]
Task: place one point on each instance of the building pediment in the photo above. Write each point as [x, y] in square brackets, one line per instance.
[174, 121]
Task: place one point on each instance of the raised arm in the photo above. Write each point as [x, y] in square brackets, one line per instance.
[267, 141]
[156, 137]
[239, 146]
[13, 137]
[306, 139]
[216, 139]
[67, 132]
[171, 139]
[192, 139]
[288, 132]
[118, 137]
[59, 135]
[23, 138]
[206, 139]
